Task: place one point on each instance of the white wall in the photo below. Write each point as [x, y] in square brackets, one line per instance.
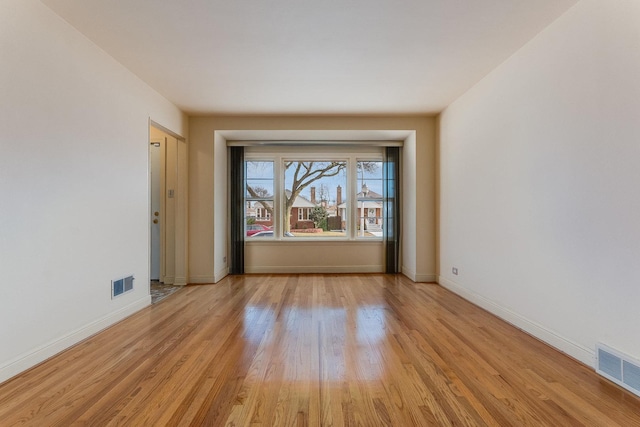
[540, 180]
[74, 128]
[208, 217]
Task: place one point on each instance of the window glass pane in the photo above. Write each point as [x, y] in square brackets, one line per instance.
[259, 176]
[259, 189]
[315, 198]
[370, 199]
[369, 179]
[258, 169]
[259, 199]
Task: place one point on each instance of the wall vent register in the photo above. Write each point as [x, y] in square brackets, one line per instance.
[618, 367]
[121, 286]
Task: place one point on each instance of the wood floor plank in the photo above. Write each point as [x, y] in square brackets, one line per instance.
[314, 350]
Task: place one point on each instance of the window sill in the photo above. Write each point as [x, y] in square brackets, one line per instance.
[328, 241]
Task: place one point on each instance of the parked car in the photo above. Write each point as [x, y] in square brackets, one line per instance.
[269, 233]
[255, 228]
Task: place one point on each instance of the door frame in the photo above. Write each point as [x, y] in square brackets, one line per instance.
[179, 219]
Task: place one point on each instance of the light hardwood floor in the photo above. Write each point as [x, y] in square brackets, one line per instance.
[314, 350]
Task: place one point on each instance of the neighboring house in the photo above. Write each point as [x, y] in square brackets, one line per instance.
[369, 210]
[259, 212]
[300, 213]
[369, 206]
[300, 218]
[262, 214]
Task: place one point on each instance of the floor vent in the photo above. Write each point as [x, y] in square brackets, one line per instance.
[618, 367]
[121, 286]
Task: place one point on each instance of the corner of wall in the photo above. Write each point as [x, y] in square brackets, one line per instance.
[221, 274]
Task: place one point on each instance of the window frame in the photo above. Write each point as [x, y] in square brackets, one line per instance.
[363, 210]
[300, 153]
[257, 200]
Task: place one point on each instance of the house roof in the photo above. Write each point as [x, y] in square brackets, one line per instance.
[300, 201]
[373, 203]
[369, 195]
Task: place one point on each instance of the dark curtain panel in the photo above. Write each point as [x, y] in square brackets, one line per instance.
[236, 196]
[392, 209]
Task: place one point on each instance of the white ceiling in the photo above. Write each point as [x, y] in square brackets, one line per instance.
[310, 57]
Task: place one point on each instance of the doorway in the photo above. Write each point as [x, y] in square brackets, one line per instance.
[156, 167]
[167, 210]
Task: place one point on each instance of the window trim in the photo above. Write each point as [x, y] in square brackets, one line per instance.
[351, 154]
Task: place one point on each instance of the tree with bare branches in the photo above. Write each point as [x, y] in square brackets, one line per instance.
[304, 174]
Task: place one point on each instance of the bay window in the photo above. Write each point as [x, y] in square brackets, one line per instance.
[320, 193]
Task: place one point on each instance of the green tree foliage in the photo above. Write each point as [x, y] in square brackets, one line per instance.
[319, 217]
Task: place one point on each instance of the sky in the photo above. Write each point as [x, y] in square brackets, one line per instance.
[260, 173]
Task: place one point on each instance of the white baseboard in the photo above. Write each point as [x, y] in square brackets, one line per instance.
[409, 273]
[202, 279]
[180, 281]
[314, 269]
[44, 352]
[565, 345]
[426, 278]
[221, 274]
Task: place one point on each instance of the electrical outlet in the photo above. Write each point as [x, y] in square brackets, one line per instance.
[224, 260]
[454, 270]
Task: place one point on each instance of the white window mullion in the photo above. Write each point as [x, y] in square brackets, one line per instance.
[278, 173]
[352, 203]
